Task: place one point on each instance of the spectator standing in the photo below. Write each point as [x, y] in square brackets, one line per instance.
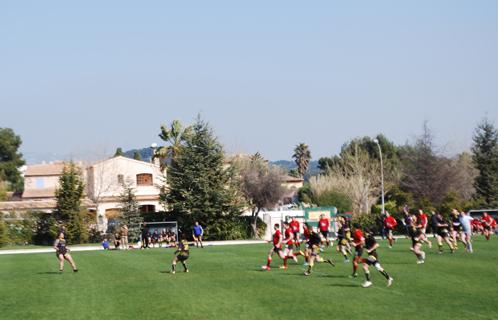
[124, 237]
[198, 233]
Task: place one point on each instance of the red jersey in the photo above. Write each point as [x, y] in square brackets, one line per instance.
[276, 237]
[422, 220]
[294, 226]
[358, 238]
[324, 224]
[487, 220]
[306, 233]
[390, 222]
[288, 235]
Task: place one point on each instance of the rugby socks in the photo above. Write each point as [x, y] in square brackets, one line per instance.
[385, 274]
[285, 262]
[268, 262]
[367, 276]
[173, 267]
[185, 266]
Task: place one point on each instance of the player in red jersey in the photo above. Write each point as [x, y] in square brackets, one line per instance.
[277, 247]
[295, 226]
[358, 243]
[421, 224]
[487, 223]
[323, 227]
[390, 224]
[289, 245]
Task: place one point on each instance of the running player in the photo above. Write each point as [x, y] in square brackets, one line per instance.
[416, 237]
[456, 229]
[371, 246]
[295, 226]
[443, 233]
[466, 221]
[487, 222]
[343, 237]
[314, 252]
[181, 254]
[62, 253]
[358, 242]
[289, 245]
[324, 226]
[390, 224]
[277, 247]
[421, 224]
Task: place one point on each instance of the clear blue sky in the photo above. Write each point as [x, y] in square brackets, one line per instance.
[87, 77]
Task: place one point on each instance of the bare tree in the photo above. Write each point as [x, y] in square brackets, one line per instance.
[356, 175]
[261, 186]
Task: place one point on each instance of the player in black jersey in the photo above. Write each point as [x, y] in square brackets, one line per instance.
[181, 254]
[343, 238]
[371, 246]
[62, 253]
[456, 229]
[313, 251]
[417, 237]
[442, 233]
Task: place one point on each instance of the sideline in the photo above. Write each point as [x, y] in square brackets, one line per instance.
[99, 248]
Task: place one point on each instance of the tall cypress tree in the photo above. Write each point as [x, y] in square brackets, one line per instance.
[130, 211]
[200, 185]
[485, 156]
[69, 209]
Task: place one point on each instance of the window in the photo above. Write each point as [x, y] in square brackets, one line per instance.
[40, 183]
[148, 208]
[144, 179]
[120, 179]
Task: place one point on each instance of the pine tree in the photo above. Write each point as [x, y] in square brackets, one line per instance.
[485, 156]
[200, 185]
[69, 209]
[137, 156]
[119, 152]
[131, 213]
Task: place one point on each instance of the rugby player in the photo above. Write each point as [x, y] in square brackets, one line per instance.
[343, 238]
[442, 233]
[314, 252]
[358, 243]
[389, 224]
[416, 236]
[487, 223]
[295, 226]
[466, 221]
[181, 254]
[371, 246]
[323, 226]
[277, 247]
[456, 229]
[62, 253]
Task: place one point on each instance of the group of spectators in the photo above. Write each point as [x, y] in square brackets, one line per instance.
[119, 239]
[162, 238]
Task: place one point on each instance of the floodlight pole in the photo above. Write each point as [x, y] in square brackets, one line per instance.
[381, 175]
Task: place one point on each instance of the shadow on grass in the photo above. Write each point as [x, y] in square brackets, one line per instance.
[343, 285]
[49, 272]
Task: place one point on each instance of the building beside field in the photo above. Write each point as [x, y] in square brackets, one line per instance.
[104, 180]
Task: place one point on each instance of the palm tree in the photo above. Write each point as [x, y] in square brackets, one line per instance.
[302, 157]
[174, 135]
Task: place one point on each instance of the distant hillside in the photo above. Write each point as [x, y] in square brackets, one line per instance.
[287, 165]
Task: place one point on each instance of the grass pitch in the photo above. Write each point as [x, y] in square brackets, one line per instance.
[228, 283]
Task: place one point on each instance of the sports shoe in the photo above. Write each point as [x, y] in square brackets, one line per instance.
[306, 273]
[354, 275]
[367, 284]
[75, 270]
[265, 268]
[420, 262]
[329, 261]
[186, 271]
[173, 272]
[390, 282]
[346, 261]
[390, 247]
[283, 267]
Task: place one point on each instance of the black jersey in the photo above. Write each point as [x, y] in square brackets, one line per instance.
[60, 244]
[370, 242]
[341, 234]
[455, 223]
[315, 239]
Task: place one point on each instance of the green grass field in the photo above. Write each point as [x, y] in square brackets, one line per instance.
[228, 283]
